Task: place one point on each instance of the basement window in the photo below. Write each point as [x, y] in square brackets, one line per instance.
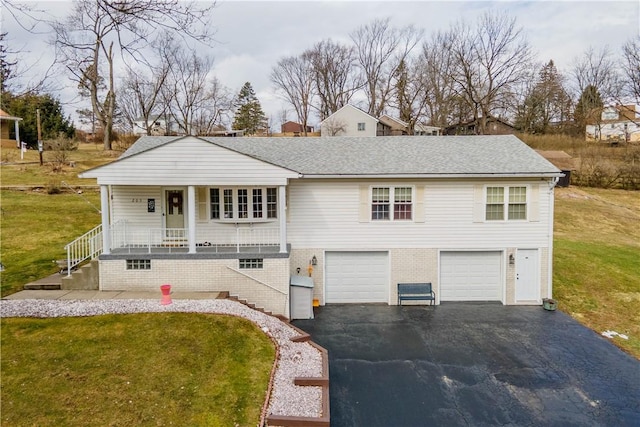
[251, 263]
[138, 264]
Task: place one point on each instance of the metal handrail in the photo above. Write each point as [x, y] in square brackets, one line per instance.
[89, 245]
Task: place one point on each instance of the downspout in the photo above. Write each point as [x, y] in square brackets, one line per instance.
[552, 185]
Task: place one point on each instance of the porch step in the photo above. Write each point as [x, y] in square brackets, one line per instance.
[38, 286]
[226, 295]
[84, 278]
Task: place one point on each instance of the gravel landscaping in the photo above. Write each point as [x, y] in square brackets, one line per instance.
[296, 359]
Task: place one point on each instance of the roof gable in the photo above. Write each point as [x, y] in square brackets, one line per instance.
[349, 107]
[187, 161]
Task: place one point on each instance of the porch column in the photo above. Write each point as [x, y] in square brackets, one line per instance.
[104, 212]
[191, 223]
[282, 214]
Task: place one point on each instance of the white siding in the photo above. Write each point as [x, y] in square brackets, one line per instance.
[130, 204]
[190, 162]
[350, 116]
[327, 214]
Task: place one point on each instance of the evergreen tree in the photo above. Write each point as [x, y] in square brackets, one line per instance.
[53, 122]
[588, 108]
[249, 115]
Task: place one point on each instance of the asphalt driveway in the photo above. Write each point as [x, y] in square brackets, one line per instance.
[472, 365]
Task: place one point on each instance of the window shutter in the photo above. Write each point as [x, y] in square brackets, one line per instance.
[478, 203]
[419, 203]
[364, 204]
[202, 203]
[534, 203]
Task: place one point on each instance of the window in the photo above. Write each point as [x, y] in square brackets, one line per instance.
[244, 203]
[361, 126]
[506, 201]
[250, 263]
[214, 196]
[382, 204]
[138, 264]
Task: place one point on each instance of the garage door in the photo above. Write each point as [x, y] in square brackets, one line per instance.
[353, 277]
[470, 276]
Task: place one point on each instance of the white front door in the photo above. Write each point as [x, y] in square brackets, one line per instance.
[527, 282]
[174, 213]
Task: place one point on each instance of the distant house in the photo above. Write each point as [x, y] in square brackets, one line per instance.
[5, 124]
[562, 161]
[349, 121]
[389, 126]
[294, 128]
[159, 126]
[495, 126]
[424, 130]
[620, 123]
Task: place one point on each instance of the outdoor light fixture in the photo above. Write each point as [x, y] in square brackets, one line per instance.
[512, 259]
[314, 260]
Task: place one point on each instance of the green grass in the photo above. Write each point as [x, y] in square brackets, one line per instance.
[138, 369]
[596, 269]
[34, 228]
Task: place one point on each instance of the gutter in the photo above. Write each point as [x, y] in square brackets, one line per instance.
[435, 176]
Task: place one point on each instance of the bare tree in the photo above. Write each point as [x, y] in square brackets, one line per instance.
[95, 32]
[293, 79]
[440, 96]
[380, 49]
[597, 69]
[333, 127]
[141, 91]
[489, 59]
[631, 68]
[195, 100]
[336, 75]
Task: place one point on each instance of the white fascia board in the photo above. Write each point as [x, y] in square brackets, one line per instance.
[436, 176]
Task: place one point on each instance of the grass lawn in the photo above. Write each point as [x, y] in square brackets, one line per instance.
[138, 369]
[35, 227]
[597, 260]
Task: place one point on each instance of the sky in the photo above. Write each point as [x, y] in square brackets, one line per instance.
[251, 36]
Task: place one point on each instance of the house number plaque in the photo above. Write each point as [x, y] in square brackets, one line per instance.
[151, 205]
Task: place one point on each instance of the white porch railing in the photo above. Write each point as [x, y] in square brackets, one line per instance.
[128, 238]
[89, 245]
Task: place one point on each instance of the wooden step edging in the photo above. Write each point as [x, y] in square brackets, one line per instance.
[322, 381]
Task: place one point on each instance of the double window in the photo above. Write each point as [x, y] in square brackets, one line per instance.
[391, 203]
[244, 203]
[506, 203]
[361, 126]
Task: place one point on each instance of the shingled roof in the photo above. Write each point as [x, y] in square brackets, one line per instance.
[380, 156]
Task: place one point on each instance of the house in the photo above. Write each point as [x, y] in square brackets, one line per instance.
[349, 121]
[159, 126]
[562, 161]
[620, 123]
[495, 126]
[424, 130]
[390, 126]
[5, 124]
[473, 215]
[294, 129]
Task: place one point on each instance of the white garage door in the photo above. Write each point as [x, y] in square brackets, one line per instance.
[353, 277]
[470, 276]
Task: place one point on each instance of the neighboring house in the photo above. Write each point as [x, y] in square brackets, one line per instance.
[294, 129]
[389, 126]
[617, 124]
[423, 130]
[562, 161]
[349, 121]
[495, 126]
[159, 126]
[6, 122]
[471, 215]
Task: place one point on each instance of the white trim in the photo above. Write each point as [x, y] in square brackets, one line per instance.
[541, 176]
[392, 189]
[191, 217]
[104, 212]
[282, 217]
[505, 203]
